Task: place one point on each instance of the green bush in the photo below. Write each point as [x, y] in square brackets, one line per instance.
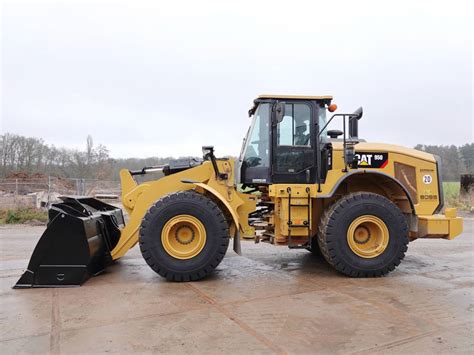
[12, 217]
[451, 191]
[22, 215]
[452, 198]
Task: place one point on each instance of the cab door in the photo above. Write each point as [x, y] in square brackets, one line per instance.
[293, 144]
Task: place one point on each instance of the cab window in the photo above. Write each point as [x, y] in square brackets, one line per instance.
[257, 145]
[294, 129]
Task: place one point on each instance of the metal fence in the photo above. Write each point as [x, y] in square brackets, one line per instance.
[44, 191]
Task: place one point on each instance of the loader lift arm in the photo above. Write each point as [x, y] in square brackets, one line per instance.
[215, 181]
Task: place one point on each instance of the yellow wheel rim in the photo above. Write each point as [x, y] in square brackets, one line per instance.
[368, 236]
[183, 236]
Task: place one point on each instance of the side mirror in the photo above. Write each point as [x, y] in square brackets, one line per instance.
[279, 111]
[334, 133]
[354, 123]
[207, 151]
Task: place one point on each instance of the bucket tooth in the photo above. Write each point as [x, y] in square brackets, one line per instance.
[76, 244]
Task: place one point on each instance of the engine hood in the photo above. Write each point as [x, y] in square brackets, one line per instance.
[389, 148]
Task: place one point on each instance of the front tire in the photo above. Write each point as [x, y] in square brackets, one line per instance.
[184, 236]
[363, 235]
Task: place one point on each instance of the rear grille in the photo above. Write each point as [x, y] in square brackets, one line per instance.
[406, 174]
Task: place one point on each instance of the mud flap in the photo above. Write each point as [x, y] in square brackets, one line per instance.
[237, 247]
[76, 244]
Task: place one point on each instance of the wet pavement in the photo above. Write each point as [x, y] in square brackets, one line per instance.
[271, 300]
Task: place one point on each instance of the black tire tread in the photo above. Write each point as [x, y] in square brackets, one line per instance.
[329, 218]
[207, 204]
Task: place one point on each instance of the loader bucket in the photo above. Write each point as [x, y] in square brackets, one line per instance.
[76, 244]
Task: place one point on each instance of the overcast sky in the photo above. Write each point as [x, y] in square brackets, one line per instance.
[164, 78]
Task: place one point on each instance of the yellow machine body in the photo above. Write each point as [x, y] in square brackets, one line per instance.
[405, 188]
[400, 180]
[138, 198]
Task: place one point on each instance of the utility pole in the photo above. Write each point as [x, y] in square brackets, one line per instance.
[48, 203]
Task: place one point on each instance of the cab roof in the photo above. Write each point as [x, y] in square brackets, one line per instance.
[326, 99]
[294, 97]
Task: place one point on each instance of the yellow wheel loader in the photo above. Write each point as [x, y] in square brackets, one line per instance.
[296, 184]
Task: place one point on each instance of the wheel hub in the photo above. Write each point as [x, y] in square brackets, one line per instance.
[361, 235]
[183, 236]
[368, 236]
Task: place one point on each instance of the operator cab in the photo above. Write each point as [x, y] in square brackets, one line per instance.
[283, 144]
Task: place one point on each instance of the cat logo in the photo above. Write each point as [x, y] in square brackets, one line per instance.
[365, 160]
[372, 160]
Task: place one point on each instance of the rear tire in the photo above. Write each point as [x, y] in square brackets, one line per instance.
[363, 235]
[184, 236]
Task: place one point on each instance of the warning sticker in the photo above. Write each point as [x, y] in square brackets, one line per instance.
[372, 160]
[427, 179]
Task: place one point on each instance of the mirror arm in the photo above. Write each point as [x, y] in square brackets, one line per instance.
[344, 115]
[209, 155]
[327, 124]
[345, 143]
